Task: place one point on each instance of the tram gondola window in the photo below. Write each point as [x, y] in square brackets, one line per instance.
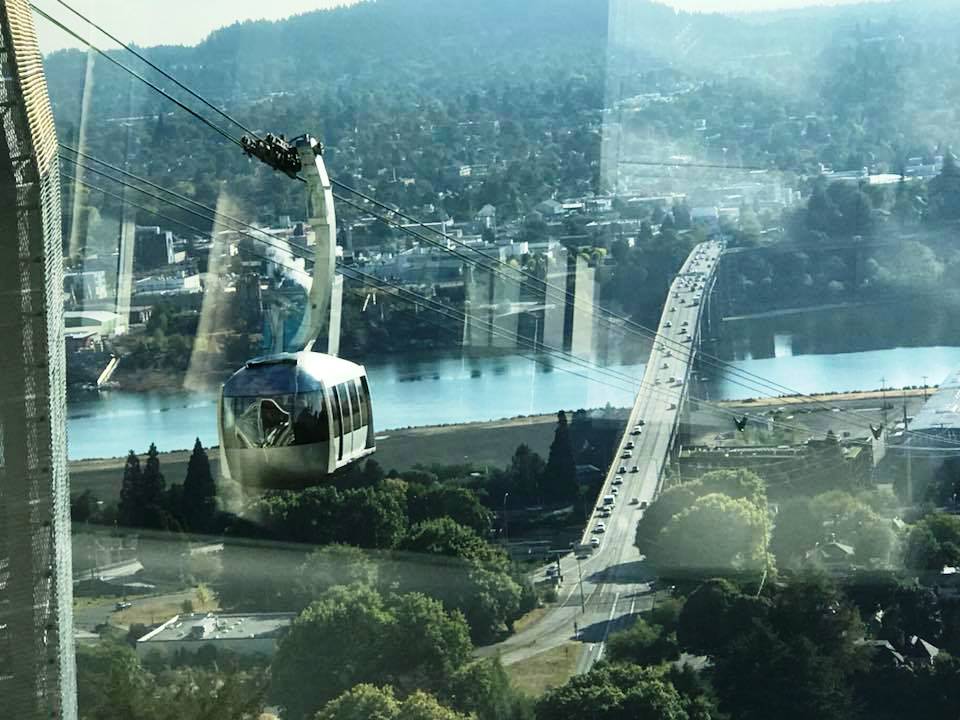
[355, 405]
[345, 409]
[310, 420]
[365, 397]
[337, 420]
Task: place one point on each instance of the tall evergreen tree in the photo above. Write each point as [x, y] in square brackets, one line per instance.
[152, 493]
[561, 471]
[199, 491]
[131, 492]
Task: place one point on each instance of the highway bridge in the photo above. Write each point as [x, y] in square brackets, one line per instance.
[606, 586]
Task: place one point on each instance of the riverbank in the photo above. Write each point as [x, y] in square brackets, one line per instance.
[480, 444]
[890, 394]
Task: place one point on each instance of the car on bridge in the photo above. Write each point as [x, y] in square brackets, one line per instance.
[630, 445]
[627, 454]
[665, 366]
[617, 480]
[600, 527]
[622, 470]
[635, 469]
[595, 542]
[668, 324]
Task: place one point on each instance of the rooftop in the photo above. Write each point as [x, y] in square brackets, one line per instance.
[942, 410]
[220, 626]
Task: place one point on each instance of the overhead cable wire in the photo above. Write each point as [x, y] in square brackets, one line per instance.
[724, 366]
[155, 67]
[216, 128]
[211, 214]
[602, 312]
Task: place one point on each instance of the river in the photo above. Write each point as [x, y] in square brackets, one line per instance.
[414, 392]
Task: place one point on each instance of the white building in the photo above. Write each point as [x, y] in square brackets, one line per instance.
[253, 634]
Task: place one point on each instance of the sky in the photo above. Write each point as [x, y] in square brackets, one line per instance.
[187, 22]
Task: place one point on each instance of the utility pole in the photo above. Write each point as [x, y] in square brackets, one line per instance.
[883, 398]
[924, 388]
[583, 604]
[906, 435]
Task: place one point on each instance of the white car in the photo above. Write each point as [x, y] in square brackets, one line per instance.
[615, 491]
[594, 542]
[600, 527]
[627, 454]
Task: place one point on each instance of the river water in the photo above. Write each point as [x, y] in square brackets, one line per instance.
[441, 390]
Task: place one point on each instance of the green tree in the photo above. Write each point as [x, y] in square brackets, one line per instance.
[355, 635]
[368, 702]
[614, 692]
[560, 475]
[131, 510]
[330, 566]
[714, 615]
[716, 534]
[153, 490]
[944, 190]
[643, 644]
[932, 543]
[448, 561]
[797, 530]
[199, 492]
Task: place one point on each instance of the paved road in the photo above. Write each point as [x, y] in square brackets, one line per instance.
[616, 584]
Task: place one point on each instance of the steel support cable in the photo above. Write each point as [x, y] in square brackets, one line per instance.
[154, 66]
[674, 395]
[211, 214]
[297, 252]
[293, 250]
[216, 128]
[206, 209]
[679, 346]
[163, 216]
[758, 383]
[717, 363]
[450, 313]
[648, 333]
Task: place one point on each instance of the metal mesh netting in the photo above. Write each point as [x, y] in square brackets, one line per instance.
[37, 677]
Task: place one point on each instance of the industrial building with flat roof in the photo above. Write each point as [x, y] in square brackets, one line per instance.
[246, 634]
[940, 416]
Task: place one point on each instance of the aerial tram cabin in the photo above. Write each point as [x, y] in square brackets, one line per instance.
[287, 421]
[290, 419]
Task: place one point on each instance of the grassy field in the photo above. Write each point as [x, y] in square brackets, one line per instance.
[158, 609]
[489, 443]
[546, 670]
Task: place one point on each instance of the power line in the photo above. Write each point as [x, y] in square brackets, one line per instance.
[602, 313]
[157, 88]
[294, 250]
[716, 362]
[153, 65]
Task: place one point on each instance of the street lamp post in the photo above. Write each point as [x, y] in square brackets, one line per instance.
[583, 608]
